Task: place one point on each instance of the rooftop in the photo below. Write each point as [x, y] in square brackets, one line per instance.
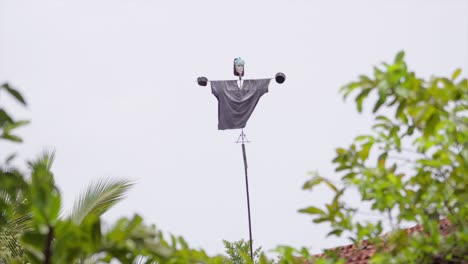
[361, 253]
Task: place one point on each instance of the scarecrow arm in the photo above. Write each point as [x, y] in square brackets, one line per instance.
[279, 78]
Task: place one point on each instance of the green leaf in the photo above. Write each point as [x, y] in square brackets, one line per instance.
[316, 179]
[349, 176]
[14, 93]
[399, 57]
[10, 158]
[10, 126]
[12, 138]
[33, 243]
[330, 185]
[360, 99]
[382, 159]
[349, 88]
[335, 232]
[379, 103]
[394, 101]
[456, 73]
[364, 137]
[434, 119]
[364, 153]
[342, 168]
[320, 220]
[312, 210]
[399, 112]
[4, 118]
[378, 73]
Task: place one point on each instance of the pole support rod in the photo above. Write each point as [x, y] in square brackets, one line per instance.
[248, 199]
[244, 155]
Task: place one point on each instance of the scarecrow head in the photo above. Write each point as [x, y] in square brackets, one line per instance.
[239, 66]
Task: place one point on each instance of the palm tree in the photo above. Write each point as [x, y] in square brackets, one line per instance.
[97, 199]
[14, 215]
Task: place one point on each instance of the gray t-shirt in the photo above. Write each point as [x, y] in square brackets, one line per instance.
[236, 105]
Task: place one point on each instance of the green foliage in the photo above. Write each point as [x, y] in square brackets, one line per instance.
[44, 197]
[14, 215]
[80, 238]
[290, 255]
[32, 229]
[420, 171]
[7, 123]
[239, 252]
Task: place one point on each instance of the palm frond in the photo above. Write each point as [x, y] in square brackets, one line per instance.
[99, 197]
[10, 234]
[143, 260]
[90, 260]
[5, 197]
[41, 169]
[45, 160]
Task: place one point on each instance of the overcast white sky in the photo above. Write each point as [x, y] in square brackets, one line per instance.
[111, 87]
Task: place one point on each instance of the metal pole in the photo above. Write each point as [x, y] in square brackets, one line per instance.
[244, 155]
[248, 198]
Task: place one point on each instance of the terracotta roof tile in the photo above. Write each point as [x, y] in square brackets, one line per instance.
[362, 253]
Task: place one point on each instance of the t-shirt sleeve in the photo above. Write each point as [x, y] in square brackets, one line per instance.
[261, 85]
[215, 87]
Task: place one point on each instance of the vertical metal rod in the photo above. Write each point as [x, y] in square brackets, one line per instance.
[244, 155]
[248, 199]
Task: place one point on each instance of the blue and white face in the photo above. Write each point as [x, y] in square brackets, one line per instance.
[239, 68]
